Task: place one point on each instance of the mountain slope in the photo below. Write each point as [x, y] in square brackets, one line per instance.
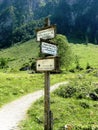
[75, 18]
[22, 56]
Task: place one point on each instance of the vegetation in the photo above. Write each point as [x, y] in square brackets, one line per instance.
[64, 51]
[14, 85]
[77, 99]
[3, 63]
[26, 54]
[73, 18]
[77, 56]
[85, 55]
[20, 55]
[76, 107]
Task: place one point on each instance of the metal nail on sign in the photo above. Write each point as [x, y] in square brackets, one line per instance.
[46, 33]
[48, 48]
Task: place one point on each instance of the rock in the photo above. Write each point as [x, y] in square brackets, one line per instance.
[68, 127]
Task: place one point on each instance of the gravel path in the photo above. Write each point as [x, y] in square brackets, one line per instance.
[12, 113]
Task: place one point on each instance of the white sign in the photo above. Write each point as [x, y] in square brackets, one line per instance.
[46, 33]
[48, 48]
[45, 65]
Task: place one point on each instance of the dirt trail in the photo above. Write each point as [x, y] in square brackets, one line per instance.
[12, 113]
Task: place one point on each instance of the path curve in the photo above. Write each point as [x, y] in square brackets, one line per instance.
[14, 112]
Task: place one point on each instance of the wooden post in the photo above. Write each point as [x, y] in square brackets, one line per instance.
[47, 22]
[48, 125]
[47, 101]
[51, 120]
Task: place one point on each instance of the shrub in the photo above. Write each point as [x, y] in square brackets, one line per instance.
[3, 63]
[82, 92]
[88, 66]
[96, 90]
[66, 91]
[64, 51]
[85, 105]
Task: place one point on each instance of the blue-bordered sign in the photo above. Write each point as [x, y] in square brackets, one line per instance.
[48, 48]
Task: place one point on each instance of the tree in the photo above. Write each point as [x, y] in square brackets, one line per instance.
[64, 51]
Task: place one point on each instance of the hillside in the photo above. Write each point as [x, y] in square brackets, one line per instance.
[86, 54]
[75, 18]
[73, 101]
[21, 55]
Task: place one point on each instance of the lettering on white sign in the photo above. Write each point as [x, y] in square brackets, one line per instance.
[48, 48]
[48, 33]
[45, 65]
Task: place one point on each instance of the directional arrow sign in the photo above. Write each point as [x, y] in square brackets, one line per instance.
[46, 33]
[48, 48]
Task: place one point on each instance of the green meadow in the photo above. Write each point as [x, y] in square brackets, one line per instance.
[20, 54]
[24, 53]
[71, 104]
[86, 54]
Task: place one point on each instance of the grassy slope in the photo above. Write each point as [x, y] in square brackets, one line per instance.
[87, 54]
[15, 85]
[20, 53]
[80, 113]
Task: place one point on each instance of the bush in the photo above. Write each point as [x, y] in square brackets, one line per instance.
[82, 92]
[88, 66]
[64, 51]
[79, 88]
[66, 91]
[85, 105]
[96, 90]
[3, 63]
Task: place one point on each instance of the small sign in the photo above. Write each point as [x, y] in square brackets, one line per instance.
[48, 64]
[46, 33]
[48, 48]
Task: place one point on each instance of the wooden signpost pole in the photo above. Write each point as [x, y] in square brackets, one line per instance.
[47, 101]
[47, 65]
[47, 112]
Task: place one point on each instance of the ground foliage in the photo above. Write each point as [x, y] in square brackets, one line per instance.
[71, 105]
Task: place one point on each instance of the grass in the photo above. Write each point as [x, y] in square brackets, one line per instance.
[86, 54]
[79, 113]
[15, 85]
[20, 54]
[69, 111]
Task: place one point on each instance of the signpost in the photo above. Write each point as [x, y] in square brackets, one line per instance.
[48, 48]
[50, 64]
[46, 33]
[47, 65]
